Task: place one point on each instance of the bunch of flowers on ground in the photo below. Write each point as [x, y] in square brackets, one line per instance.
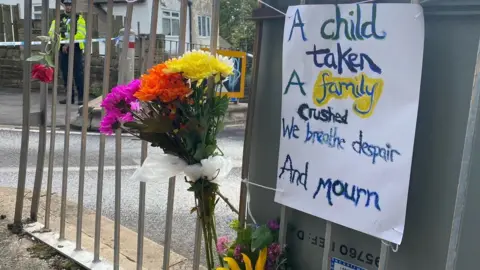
[256, 247]
[175, 107]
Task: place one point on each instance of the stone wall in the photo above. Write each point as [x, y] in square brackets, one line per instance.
[11, 65]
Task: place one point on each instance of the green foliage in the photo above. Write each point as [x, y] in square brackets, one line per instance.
[234, 24]
[261, 237]
[46, 57]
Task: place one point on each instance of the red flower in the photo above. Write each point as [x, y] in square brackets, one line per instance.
[42, 73]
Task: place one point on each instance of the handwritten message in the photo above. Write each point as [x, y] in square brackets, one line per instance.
[351, 83]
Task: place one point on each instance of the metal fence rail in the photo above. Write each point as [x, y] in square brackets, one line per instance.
[73, 249]
[59, 241]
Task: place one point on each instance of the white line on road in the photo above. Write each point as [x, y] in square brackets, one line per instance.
[236, 164]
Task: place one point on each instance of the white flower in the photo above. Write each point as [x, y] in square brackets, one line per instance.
[227, 61]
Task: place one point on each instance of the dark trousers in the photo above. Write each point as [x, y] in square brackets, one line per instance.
[77, 71]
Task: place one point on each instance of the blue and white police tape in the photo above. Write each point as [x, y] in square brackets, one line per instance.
[21, 43]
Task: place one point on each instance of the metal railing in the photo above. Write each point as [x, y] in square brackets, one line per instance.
[92, 259]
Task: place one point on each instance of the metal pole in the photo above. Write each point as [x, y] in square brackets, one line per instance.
[66, 146]
[118, 145]
[169, 223]
[153, 33]
[215, 26]
[171, 183]
[250, 117]
[53, 123]
[384, 252]
[83, 147]
[464, 177]
[148, 62]
[42, 136]
[143, 186]
[197, 245]
[326, 248]
[183, 27]
[283, 226]
[22, 170]
[101, 157]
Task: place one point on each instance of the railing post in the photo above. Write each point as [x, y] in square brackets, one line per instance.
[118, 143]
[66, 146]
[83, 147]
[53, 122]
[42, 136]
[101, 156]
[22, 171]
[143, 187]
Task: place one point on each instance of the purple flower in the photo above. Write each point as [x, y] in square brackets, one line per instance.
[222, 245]
[237, 253]
[273, 225]
[273, 253]
[121, 97]
[109, 123]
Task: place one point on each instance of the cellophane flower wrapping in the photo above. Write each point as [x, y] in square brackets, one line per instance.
[175, 107]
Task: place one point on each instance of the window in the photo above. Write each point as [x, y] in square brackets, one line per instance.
[171, 23]
[204, 26]
[37, 12]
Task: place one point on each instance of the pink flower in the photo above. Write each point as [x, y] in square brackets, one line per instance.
[273, 225]
[222, 245]
[135, 105]
[109, 123]
[128, 117]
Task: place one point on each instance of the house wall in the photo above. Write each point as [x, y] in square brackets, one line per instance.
[81, 4]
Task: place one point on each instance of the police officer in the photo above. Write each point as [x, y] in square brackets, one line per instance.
[80, 34]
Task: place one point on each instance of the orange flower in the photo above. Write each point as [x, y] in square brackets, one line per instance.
[165, 87]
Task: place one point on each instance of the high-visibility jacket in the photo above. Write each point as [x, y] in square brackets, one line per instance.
[80, 33]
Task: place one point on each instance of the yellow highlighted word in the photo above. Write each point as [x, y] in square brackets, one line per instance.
[363, 90]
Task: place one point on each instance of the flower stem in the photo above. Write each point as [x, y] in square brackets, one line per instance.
[227, 202]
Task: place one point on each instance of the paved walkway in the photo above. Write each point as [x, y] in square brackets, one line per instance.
[11, 101]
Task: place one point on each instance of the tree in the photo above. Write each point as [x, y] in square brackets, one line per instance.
[234, 24]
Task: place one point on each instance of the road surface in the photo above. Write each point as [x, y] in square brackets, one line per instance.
[231, 142]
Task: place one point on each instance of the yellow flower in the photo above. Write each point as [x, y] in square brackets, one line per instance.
[260, 265]
[199, 65]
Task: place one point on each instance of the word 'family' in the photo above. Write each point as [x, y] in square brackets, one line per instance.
[363, 90]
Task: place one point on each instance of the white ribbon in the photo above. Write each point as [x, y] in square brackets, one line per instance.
[160, 166]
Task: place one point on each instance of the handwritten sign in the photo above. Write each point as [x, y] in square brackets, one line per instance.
[351, 83]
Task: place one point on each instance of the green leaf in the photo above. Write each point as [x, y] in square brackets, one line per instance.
[210, 149]
[35, 58]
[49, 60]
[200, 152]
[220, 126]
[261, 237]
[193, 210]
[44, 38]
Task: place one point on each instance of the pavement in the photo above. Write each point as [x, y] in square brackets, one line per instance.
[231, 142]
[14, 251]
[11, 101]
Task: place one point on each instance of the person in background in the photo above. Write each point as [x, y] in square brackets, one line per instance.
[80, 34]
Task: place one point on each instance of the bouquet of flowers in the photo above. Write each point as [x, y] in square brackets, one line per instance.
[256, 247]
[175, 107]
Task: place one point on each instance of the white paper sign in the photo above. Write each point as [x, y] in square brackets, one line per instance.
[351, 83]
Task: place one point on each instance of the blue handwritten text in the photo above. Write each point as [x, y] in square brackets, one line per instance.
[342, 190]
